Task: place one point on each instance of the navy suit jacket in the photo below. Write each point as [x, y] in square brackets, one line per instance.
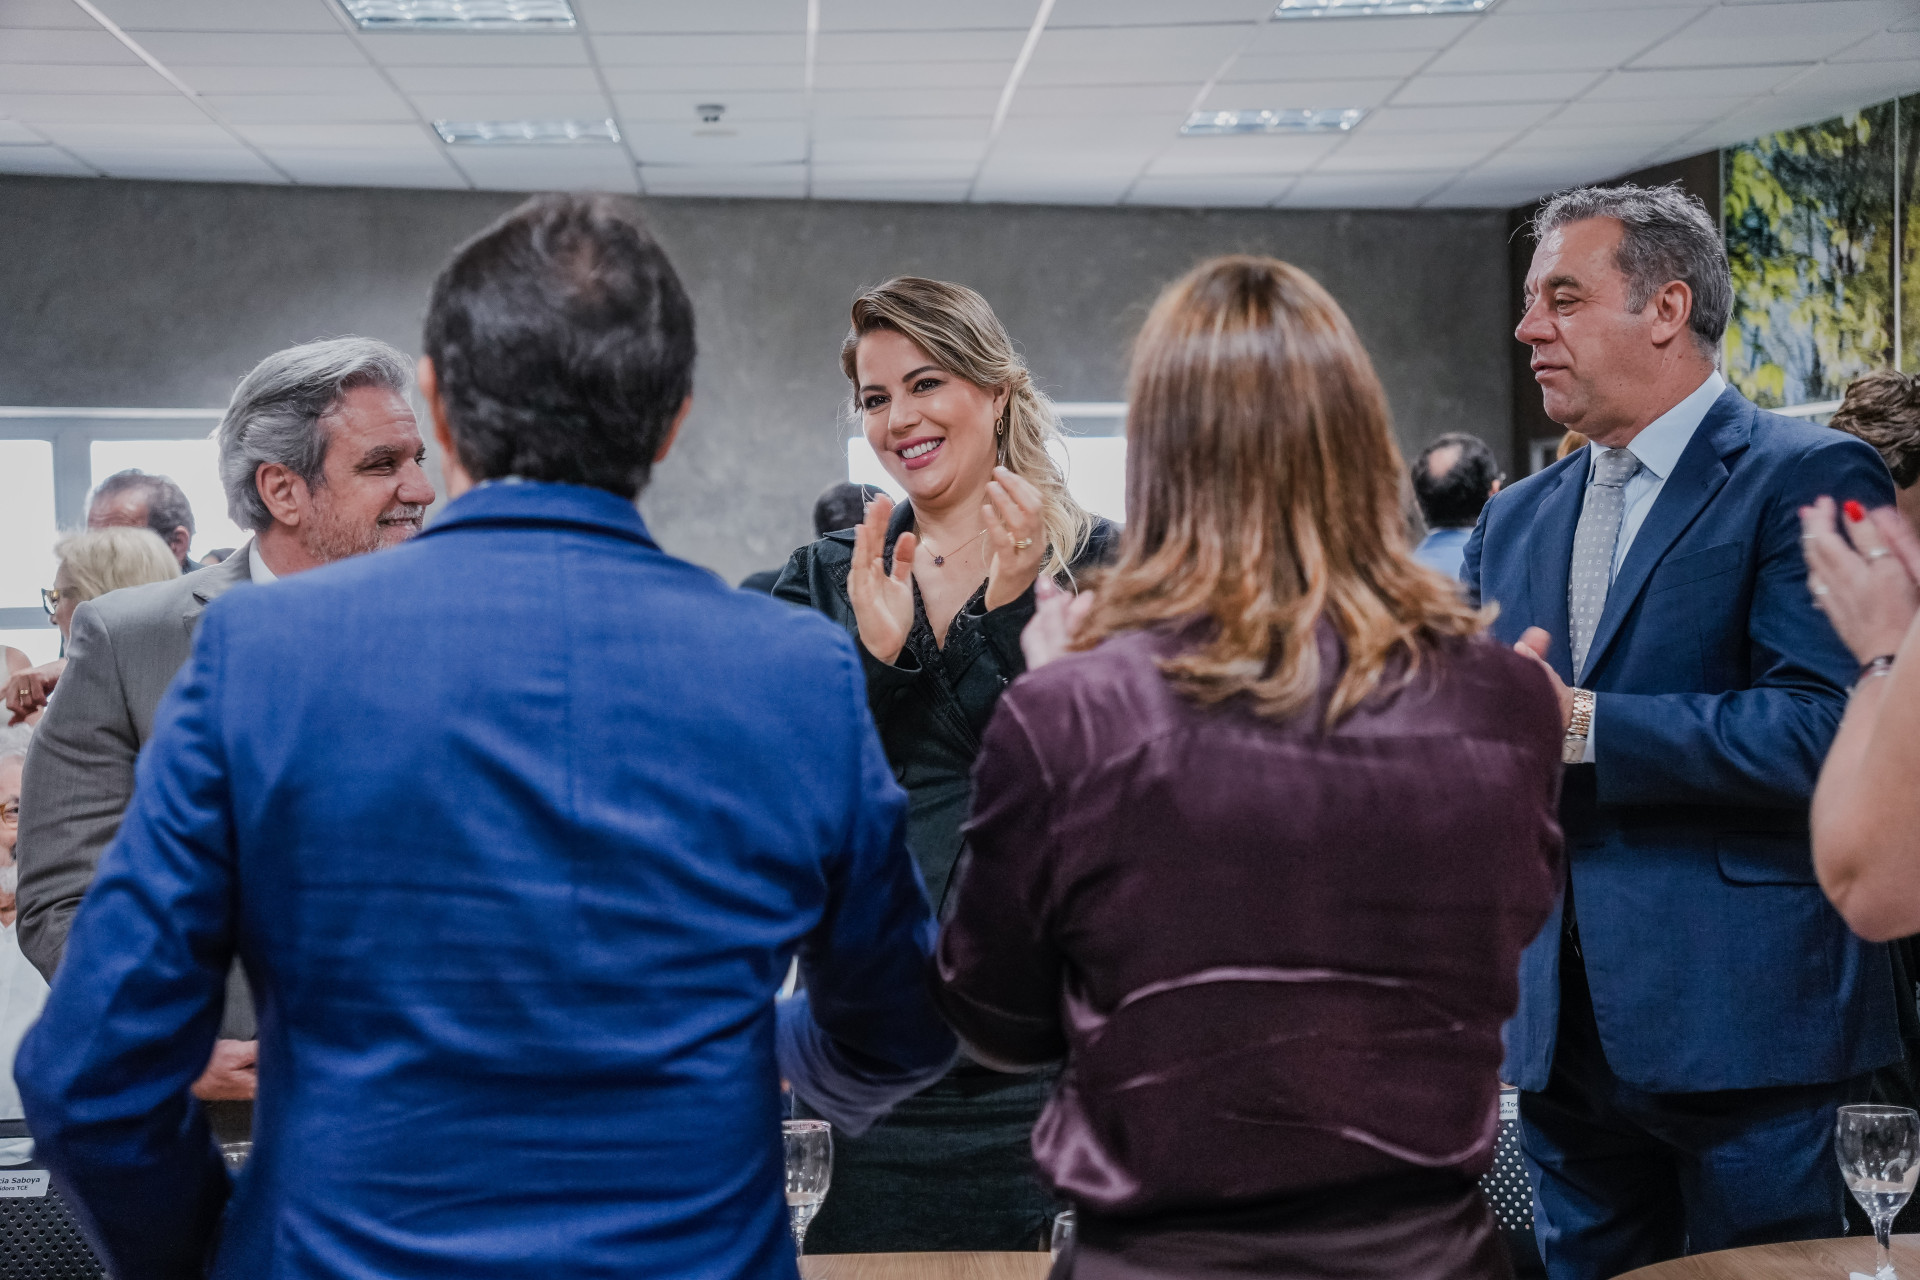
[1714, 960]
[515, 829]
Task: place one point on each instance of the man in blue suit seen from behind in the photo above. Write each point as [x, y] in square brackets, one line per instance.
[515, 829]
[1694, 1014]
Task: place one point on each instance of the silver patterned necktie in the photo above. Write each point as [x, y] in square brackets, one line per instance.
[1591, 572]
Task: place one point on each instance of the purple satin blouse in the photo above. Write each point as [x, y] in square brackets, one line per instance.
[1274, 957]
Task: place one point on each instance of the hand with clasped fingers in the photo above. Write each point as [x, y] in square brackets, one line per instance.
[1867, 583]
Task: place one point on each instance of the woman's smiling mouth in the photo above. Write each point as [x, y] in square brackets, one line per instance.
[919, 453]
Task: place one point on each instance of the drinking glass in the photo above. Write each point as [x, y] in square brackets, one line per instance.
[1063, 1224]
[809, 1172]
[1879, 1153]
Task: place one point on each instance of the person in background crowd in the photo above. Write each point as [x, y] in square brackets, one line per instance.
[320, 456]
[216, 556]
[1656, 576]
[1281, 1023]
[90, 565]
[1452, 479]
[1883, 409]
[937, 591]
[1568, 443]
[22, 990]
[518, 913]
[1866, 812]
[132, 499]
[839, 506]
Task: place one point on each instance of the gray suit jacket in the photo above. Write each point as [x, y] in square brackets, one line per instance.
[122, 653]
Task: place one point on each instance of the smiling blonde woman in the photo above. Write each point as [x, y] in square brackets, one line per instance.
[937, 591]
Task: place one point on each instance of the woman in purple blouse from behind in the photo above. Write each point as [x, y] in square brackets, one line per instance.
[1259, 857]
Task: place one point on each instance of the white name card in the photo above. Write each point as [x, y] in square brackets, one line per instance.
[24, 1184]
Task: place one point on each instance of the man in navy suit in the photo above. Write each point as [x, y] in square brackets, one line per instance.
[516, 829]
[1695, 1012]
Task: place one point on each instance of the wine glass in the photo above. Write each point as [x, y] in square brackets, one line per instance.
[1879, 1153]
[809, 1173]
[1063, 1228]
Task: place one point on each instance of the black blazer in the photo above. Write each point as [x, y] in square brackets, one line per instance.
[932, 705]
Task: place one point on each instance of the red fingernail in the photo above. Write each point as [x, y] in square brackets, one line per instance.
[1855, 511]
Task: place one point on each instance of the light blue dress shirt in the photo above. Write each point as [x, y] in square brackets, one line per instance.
[1444, 549]
[1658, 446]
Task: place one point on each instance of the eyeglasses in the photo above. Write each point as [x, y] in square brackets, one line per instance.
[10, 814]
[50, 598]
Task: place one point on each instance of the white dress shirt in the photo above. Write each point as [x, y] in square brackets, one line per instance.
[1658, 446]
[257, 570]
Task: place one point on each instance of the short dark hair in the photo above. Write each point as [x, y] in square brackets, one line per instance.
[167, 506]
[1669, 235]
[1883, 409]
[562, 344]
[1454, 498]
[842, 506]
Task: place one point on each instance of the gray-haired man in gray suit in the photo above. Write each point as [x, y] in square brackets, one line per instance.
[320, 456]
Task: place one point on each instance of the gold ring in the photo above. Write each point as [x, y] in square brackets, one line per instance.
[1023, 544]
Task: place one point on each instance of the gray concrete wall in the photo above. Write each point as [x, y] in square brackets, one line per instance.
[164, 294]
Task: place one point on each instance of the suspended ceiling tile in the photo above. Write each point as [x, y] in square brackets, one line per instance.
[14, 133]
[1274, 95]
[269, 78]
[680, 107]
[881, 154]
[1233, 190]
[423, 80]
[1408, 152]
[48, 46]
[372, 139]
[276, 108]
[178, 49]
[1885, 46]
[1360, 191]
[1840, 87]
[45, 13]
[1441, 119]
[1132, 55]
[218, 15]
[1050, 189]
[74, 78]
[1198, 157]
[537, 169]
[354, 167]
[971, 130]
[1101, 100]
[1521, 86]
[1588, 40]
[705, 79]
[599, 16]
[477, 49]
[224, 164]
[130, 108]
[905, 192]
[979, 100]
[917, 46]
[43, 160]
[1692, 82]
[899, 174]
[700, 50]
[202, 134]
[1679, 113]
[734, 180]
[1299, 38]
[924, 15]
[1121, 13]
[913, 76]
[765, 142]
[1071, 133]
[1774, 33]
[1373, 64]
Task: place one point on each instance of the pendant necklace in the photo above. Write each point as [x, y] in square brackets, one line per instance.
[940, 560]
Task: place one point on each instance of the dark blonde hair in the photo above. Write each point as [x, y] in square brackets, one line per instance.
[1883, 408]
[1264, 494]
[959, 332]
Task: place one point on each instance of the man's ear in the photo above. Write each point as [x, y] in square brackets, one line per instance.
[673, 432]
[454, 471]
[179, 541]
[284, 493]
[1669, 311]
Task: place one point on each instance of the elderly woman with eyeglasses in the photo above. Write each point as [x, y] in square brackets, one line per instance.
[91, 564]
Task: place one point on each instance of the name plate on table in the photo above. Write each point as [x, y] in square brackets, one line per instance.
[24, 1184]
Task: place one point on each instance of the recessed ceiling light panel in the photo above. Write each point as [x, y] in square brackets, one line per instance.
[460, 15]
[525, 133]
[1376, 8]
[1291, 120]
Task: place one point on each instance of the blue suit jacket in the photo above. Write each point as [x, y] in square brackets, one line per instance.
[1713, 957]
[515, 828]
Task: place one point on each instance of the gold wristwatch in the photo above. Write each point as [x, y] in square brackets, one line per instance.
[1574, 749]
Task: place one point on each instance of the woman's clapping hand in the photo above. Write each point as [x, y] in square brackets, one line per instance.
[1868, 582]
[882, 602]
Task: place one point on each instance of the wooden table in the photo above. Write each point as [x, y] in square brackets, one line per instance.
[934, 1266]
[1803, 1260]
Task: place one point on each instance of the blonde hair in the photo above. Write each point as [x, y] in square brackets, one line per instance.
[1264, 494]
[102, 560]
[959, 332]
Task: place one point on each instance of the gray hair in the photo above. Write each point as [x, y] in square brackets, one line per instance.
[276, 411]
[14, 739]
[1669, 236]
